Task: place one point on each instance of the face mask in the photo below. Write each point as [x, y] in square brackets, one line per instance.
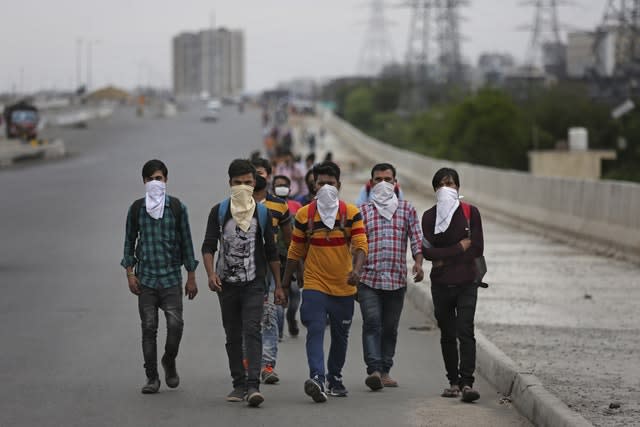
[328, 205]
[155, 197]
[261, 183]
[448, 201]
[384, 198]
[282, 191]
[242, 205]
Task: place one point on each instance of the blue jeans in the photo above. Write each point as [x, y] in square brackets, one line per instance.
[380, 316]
[316, 306]
[168, 300]
[271, 325]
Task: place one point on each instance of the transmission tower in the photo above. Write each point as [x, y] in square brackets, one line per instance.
[546, 51]
[377, 50]
[618, 38]
[449, 39]
[434, 43]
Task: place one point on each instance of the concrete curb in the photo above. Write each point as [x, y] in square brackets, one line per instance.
[526, 391]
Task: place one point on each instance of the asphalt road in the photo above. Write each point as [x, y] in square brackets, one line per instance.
[69, 329]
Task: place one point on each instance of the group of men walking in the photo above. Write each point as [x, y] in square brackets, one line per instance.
[259, 252]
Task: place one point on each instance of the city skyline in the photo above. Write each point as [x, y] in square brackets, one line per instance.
[130, 43]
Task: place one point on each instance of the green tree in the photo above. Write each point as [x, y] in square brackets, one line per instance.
[488, 129]
[359, 109]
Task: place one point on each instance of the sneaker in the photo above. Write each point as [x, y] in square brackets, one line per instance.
[469, 395]
[336, 388]
[152, 386]
[315, 388]
[387, 381]
[374, 381]
[254, 397]
[237, 394]
[171, 374]
[293, 328]
[268, 375]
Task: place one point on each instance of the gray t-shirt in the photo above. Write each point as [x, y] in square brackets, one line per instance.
[234, 266]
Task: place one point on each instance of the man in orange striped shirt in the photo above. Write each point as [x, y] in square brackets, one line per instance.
[330, 236]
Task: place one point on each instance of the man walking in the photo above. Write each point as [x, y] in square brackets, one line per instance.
[157, 244]
[329, 235]
[453, 239]
[273, 316]
[389, 224]
[241, 229]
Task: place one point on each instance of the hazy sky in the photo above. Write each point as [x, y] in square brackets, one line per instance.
[284, 38]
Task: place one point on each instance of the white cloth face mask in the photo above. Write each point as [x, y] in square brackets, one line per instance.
[385, 199]
[448, 201]
[328, 204]
[154, 200]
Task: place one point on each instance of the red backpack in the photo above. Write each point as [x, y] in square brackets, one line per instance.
[311, 213]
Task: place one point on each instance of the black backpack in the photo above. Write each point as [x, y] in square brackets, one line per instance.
[174, 204]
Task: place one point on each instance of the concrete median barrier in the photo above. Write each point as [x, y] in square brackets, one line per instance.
[12, 151]
[600, 216]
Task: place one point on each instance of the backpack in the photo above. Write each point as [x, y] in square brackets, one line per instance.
[311, 213]
[174, 204]
[263, 215]
[480, 263]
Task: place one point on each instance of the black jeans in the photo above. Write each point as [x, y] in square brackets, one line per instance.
[455, 308]
[380, 317]
[170, 301]
[241, 307]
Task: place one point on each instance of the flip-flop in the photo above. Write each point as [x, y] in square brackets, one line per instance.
[451, 392]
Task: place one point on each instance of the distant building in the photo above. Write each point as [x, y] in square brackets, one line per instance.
[210, 62]
[493, 68]
[580, 54]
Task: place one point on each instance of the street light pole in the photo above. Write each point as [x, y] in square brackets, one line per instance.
[90, 44]
[78, 62]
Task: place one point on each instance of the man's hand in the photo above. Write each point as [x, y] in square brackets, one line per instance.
[354, 278]
[418, 273]
[215, 284]
[190, 288]
[134, 285]
[465, 243]
[280, 297]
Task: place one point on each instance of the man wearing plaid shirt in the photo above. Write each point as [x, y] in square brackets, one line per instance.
[157, 244]
[389, 224]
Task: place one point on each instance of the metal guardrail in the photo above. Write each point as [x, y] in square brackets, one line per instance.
[603, 215]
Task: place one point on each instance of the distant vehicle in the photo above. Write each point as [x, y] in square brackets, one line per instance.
[212, 111]
[21, 121]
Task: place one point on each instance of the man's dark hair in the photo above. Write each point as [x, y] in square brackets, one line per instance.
[444, 173]
[326, 168]
[240, 167]
[383, 167]
[311, 157]
[261, 162]
[154, 165]
[277, 177]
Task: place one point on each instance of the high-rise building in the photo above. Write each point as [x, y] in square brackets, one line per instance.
[209, 62]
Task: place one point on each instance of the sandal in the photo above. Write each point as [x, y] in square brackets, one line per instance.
[453, 391]
[469, 395]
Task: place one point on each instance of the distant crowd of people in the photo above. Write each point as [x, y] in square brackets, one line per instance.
[284, 244]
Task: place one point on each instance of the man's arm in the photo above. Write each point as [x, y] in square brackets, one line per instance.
[359, 248]
[209, 248]
[128, 258]
[415, 238]
[188, 256]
